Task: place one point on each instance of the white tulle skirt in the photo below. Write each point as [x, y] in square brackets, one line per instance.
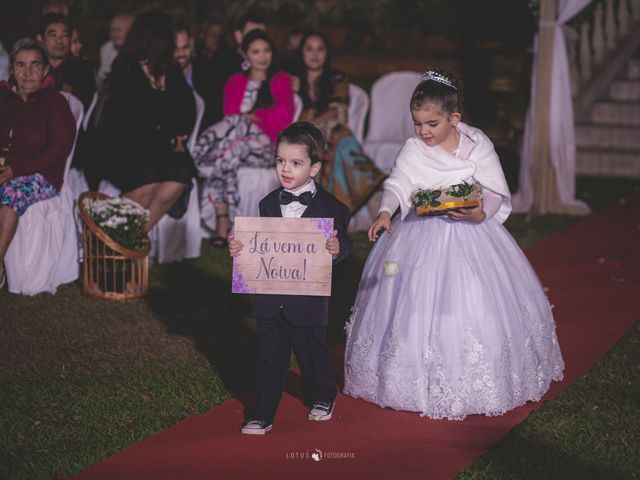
[450, 320]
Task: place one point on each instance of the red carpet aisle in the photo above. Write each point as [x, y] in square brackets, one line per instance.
[592, 272]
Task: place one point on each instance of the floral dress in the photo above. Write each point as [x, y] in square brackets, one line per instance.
[19, 193]
[223, 148]
[348, 173]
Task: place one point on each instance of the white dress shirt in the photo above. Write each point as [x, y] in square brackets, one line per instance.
[295, 209]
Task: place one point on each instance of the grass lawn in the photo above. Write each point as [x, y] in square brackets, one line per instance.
[82, 378]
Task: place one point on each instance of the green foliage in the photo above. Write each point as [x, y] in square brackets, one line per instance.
[426, 198]
[464, 189]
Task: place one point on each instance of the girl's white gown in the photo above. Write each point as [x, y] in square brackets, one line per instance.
[450, 320]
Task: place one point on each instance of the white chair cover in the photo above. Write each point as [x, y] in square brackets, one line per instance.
[390, 121]
[254, 184]
[77, 180]
[178, 239]
[44, 251]
[89, 112]
[358, 108]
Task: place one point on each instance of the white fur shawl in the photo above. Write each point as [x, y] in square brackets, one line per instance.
[421, 166]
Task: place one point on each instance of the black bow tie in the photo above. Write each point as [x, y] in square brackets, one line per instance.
[287, 197]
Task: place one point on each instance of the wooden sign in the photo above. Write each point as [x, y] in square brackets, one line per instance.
[285, 256]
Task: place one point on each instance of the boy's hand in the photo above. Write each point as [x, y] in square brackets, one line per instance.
[235, 246]
[474, 214]
[383, 221]
[333, 244]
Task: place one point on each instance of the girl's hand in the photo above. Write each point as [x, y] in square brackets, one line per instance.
[235, 246]
[333, 244]
[475, 214]
[383, 221]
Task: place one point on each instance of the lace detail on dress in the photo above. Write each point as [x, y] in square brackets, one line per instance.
[489, 384]
[462, 328]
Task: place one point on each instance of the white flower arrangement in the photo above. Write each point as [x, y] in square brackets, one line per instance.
[120, 218]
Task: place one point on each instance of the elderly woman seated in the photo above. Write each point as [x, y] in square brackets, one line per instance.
[37, 131]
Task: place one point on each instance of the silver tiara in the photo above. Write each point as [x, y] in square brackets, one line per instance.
[437, 77]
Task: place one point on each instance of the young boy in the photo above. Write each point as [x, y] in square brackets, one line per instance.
[297, 321]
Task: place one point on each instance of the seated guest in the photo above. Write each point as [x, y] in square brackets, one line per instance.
[215, 55]
[71, 74]
[349, 174]
[289, 59]
[200, 75]
[55, 6]
[236, 61]
[76, 44]
[37, 131]
[212, 43]
[118, 29]
[257, 105]
[148, 114]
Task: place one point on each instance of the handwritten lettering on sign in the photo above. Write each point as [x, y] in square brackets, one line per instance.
[285, 256]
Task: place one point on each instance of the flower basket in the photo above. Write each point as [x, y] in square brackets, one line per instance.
[111, 270]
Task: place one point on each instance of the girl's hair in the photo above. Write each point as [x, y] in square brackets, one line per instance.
[264, 99]
[306, 134]
[151, 38]
[438, 88]
[325, 82]
[28, 44]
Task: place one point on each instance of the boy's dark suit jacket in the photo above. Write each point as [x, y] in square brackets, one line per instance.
[305, 310]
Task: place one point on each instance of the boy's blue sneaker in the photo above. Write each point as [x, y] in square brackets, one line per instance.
[321, 411]
[256, 427]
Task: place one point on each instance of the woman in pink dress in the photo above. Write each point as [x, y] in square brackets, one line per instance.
[257, 105]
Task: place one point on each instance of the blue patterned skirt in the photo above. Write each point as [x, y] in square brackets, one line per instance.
[19, 193]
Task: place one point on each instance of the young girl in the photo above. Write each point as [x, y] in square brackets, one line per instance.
[450, 319]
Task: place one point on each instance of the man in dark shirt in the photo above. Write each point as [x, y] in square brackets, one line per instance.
[73, 75]
[228, 60]
[200, 75]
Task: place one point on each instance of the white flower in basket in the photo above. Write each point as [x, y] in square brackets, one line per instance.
[121, 219]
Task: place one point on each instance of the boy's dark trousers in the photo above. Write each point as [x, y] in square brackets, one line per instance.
[276, 336]
[297, 321]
